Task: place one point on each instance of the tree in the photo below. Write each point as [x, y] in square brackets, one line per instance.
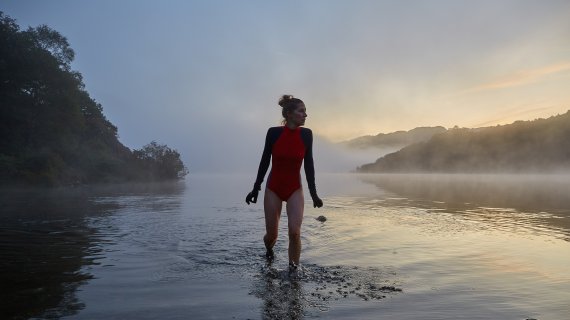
[541, 145]
[160, 162]
[51, 131]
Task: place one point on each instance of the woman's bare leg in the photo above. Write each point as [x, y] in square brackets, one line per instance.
[272, 205]
[295, 207]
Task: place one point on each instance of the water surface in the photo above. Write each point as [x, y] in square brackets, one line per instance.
[393, 246]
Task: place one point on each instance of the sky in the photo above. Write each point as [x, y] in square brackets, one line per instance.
[204, 77]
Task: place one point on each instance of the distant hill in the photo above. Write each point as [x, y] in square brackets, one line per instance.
[52, 132]
[394, 139]
[540, 145]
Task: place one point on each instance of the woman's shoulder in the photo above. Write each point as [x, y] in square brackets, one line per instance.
[275, 129]
[307, 136]
[274, 132]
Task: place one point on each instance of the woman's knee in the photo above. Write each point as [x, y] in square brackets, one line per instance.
[294, 233]
[271, 236]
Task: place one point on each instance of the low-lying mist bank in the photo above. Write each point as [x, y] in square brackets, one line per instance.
[521, 191]
[337, 158]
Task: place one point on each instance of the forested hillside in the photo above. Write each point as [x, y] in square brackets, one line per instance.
[52, 131]
[542, 145]
[394, 139]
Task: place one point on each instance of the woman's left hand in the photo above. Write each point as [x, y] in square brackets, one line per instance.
[251, 197]
[317, 202]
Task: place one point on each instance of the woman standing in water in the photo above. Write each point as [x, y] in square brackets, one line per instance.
[288, 146]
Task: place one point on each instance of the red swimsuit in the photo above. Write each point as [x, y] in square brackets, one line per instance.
[287, 148]
[287, 155]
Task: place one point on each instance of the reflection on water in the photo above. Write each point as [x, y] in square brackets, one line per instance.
[310, 290]
[46, 243]
[282, 297]
[393, 246]
[476, 245]
[540, 203]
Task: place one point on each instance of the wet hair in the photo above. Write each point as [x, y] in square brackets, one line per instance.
[288, 104]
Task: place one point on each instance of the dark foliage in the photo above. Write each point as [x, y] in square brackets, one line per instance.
[160, 162]
[53, 132]
[542, 145]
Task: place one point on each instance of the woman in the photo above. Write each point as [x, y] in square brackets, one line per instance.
[287, 146]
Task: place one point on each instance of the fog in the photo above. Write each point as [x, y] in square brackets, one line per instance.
[334, 158]
[233, 150]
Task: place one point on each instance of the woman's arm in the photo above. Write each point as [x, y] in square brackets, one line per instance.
[307, 136]
[272, 135]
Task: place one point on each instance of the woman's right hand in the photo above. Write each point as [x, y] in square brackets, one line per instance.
[252, 196]
[317, 202]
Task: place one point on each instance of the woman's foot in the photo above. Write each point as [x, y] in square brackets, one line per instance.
[293, 267]
[294, 271]
[269, 255]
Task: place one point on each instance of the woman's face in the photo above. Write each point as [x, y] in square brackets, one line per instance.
[297, 117]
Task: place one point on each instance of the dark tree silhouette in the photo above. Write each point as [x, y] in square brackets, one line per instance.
[160, 162]
[52, 131]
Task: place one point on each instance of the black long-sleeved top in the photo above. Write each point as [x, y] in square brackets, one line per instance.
[272, 136]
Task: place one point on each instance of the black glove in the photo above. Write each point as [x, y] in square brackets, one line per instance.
[252, 196]
[317, 202]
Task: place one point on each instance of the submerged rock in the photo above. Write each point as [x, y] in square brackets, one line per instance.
[321, 218]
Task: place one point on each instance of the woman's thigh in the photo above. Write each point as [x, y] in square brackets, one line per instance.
[272, 205]
[295, 208]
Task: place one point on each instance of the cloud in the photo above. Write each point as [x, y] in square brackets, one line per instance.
[520, 78]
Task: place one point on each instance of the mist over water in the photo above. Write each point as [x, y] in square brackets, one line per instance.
[536, 203]
[228, 152]
[519, 191]
[332, 157]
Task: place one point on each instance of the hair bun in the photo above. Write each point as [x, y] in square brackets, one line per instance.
[285, 99]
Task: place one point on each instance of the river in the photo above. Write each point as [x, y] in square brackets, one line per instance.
[392, 247]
